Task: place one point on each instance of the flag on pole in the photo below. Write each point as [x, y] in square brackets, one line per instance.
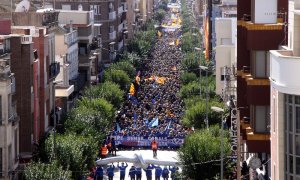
[154, 122]
[131, 90]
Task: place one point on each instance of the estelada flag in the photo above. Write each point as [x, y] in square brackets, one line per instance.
[131, 90]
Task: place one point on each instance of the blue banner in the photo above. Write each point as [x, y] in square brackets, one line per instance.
[137, 141]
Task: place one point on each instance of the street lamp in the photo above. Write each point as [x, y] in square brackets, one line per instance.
[206, 93]
[220, 110]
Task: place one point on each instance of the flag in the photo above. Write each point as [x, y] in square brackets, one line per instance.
[159, 34]
[177, 42]
[154, 122]
[118, 127]
[131, 90]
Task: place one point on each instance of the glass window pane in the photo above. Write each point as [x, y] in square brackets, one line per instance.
[297, 99]
[290, 114]
[297, 144]
[298, 165]
[291, 143]
[297, 119]
[290, 98]
[291, 164]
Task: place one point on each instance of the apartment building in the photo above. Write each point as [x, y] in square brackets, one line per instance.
[259, 29]
[9, 120]
[33, 54]
[225, 57]
[109, 18]
[285, 102]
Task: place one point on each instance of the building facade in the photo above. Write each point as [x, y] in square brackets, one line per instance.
[285, 102]
[259, 29]
[9, 120]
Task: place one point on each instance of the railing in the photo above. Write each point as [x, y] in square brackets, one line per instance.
[26, 39]
[112, 15]
[120, 45]
[120, 10]
[120, 27]
[112, 35]
[54, 70]
[71, 38]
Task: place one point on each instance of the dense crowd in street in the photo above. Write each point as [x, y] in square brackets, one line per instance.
[155, 108]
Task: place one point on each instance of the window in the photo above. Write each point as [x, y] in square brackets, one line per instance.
[66, 6]
[224, 74]
[10, 161]
[292, 136]
[111, 7]
[111, 29]
[260, 118]
[260, 64]
[95, 8]
[16, 145]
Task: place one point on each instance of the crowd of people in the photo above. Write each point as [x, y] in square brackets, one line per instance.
[135, 172]
[155, 108]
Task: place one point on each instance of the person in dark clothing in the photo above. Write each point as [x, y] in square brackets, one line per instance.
[158, 172]
[138, 173]
[165, 173]
[113, 147]
[173, 172]
[132, 172]
[149, 171]
[110, 172]
[122, 170]
[99, 173]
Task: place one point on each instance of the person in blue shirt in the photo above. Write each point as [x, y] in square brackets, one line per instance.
[165, 173]
[132, 172]
[99, 173]
[122, 170]
[110, 172]
[173, 172]
[138, 173]
[158, 171]
[149, 171]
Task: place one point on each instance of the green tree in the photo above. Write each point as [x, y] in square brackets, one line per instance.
[110, 91]
[195, 113]
[39, 170]
[74, 152]
[160, 14]
[117, 76]
[125, 66]
[201, 152]
[187, 77]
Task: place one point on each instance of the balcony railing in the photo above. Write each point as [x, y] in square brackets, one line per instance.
[120, 27]
[120, 45]
[112, 35]
[120, 10]
[71, 38]
[112, 15]
[54, 70]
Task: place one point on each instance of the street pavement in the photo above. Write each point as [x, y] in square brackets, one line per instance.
[147, 154]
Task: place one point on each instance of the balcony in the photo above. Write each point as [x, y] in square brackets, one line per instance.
[71, 38]
[124, 6]
[112, 35]
[13, 84]
[54, 70]
[284, 71]
[120, 45]
[112, 15]
[120, 27]
[120, 10]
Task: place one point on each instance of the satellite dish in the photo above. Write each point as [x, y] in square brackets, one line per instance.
[23, 6]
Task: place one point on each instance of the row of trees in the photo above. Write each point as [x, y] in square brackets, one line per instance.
[85, 127]
[201, 150]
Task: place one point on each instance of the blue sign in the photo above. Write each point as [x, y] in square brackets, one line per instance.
[138, 141]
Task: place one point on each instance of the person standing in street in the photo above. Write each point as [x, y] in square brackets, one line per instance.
[165, 173]
[132, 172]
[99, 173]
[149, 171]
[110, 172]
[154, 147]
[103, 151]
[158, 172]
[173, 171]
[122, 170]
[138, 173]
